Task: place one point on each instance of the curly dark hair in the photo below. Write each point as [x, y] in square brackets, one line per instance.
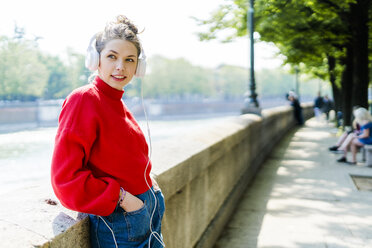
[120, 28]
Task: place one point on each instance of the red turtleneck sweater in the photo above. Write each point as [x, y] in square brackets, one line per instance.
[98, 148]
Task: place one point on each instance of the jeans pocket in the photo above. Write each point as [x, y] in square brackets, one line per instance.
[161, 203]
[138, 224]
[102, 231]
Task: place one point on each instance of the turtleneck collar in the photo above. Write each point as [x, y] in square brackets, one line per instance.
[107, 89]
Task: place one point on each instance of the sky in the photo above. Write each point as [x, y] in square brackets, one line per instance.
[168, 27]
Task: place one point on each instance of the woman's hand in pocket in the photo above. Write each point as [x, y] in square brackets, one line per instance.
[131, 203]
[154, 183]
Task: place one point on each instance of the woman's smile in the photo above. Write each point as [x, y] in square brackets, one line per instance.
[118, 78]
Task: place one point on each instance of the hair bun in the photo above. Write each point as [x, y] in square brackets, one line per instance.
[119, 28]
[124, 20]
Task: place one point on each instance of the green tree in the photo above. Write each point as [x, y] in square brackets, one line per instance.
[312, 42]
[22, 75]
[324, 37]
[77, 74]
[58, 85]
[177, 79]
[230, 81]
[65, 76]
[327, 37]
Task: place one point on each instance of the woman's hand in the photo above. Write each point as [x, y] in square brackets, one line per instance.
[154, 183]
[131, 203]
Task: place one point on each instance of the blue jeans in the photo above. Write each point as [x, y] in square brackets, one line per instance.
[129, 229]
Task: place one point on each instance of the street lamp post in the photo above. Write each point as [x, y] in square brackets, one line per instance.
[251, 104]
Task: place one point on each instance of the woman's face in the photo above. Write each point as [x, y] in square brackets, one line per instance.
[118, 62]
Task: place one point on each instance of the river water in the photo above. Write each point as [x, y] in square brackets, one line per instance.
[25, 156]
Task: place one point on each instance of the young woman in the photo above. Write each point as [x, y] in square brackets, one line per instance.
[100, 164]
[356, 141]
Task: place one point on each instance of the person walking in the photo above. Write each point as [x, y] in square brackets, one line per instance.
[318, 104]
[327, 106]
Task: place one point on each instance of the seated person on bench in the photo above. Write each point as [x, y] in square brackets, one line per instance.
[363, 117]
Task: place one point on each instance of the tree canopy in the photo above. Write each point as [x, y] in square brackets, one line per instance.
[325, 38]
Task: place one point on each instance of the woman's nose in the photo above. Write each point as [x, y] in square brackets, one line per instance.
[120, 66]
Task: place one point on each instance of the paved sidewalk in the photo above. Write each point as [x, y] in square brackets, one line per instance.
[303, 198]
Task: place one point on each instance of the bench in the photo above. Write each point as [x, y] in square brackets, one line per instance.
[367, 154]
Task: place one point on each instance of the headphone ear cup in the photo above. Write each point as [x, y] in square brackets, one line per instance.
[92, 60]
[92, 56]
[141, 68]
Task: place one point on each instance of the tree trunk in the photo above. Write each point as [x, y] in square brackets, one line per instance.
[347, 86]
[359, 28]
[336, 92]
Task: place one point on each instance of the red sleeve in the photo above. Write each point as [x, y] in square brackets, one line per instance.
[73, 183]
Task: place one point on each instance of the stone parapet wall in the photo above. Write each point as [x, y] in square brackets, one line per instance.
[203, 176]
[40, 113]
[10, 115]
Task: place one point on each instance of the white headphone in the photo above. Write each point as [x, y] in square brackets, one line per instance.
[92, 59]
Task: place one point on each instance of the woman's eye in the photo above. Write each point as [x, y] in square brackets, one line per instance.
[111, 56]
[130, 60]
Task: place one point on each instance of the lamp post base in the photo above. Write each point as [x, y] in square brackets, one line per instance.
[251, 107]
